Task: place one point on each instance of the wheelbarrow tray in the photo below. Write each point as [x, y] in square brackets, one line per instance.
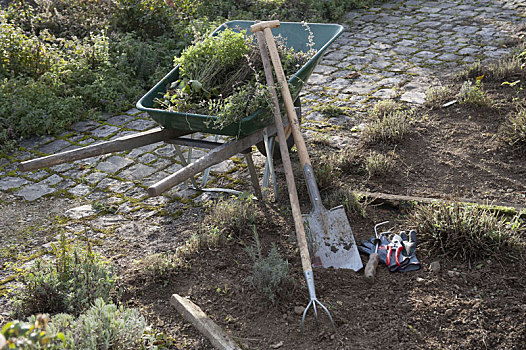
[297, 37]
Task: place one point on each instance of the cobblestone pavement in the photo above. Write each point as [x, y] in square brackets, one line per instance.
[396, 50]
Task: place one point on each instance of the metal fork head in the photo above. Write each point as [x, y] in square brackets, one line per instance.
[309, 278]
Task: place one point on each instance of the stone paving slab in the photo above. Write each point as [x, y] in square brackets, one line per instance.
[397, 49]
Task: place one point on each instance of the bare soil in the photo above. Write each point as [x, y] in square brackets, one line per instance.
[455, 152]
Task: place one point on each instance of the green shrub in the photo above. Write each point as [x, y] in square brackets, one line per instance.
[32, 335]
[102, 326]
[69, 284]
[269, 274]
[467, 232]
[77, 57]
[292, 10]
[62, 18]
[148, 18]
[21, 54]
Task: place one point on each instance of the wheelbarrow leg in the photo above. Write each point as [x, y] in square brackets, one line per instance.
[253, 175]
[269, 165]
[207, 171]
[184, 162]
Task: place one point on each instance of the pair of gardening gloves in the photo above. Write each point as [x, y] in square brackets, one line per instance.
[397, 251]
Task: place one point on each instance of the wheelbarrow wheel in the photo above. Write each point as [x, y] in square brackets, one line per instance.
[288, 133]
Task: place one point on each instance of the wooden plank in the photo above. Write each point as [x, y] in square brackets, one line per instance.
[193, 314]
[215, 156]
[395, 199]
[120, 144]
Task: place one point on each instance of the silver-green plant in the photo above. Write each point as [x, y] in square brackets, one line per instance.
[468, 232]
[270, 273]
[390, 127]
[438, 95]
[70, 283]
[473, 94]
[103, 326]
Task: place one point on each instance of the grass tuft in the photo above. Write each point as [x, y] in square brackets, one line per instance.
[508, 68]
[331, 110]
[467, 232]
[377, 164]
[473, 94]
[385, 107]
[352, 202]
[234, 216]
[389, 127]
[437, 96]
[69, 284]
[513, 132]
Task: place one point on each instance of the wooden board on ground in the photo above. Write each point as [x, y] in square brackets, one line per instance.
[395, 200]
[193, 314]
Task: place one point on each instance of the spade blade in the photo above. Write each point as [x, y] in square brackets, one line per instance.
[332, 239]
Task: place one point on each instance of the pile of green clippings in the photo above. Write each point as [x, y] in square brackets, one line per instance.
[223, 76]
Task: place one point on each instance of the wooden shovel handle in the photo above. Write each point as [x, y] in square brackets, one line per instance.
[287, 98]
[293, 194]
[370, 268]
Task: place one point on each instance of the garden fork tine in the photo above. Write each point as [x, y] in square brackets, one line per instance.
[293, 194]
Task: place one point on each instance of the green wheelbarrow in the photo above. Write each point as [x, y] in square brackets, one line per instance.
[174, 126]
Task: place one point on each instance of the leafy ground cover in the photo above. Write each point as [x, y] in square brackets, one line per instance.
[62, 61]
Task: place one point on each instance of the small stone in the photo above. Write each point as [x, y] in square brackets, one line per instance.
[448, 312]
[420, 279]
[80, 190]
[52, 180]
[104, 131]
[453, 274]
[435, 266]
[54, 147]
[298, 310]
[12, 182]
[113, 164]
[141, 124]
[35, 191]
[80, 212]
[137, 172]
[414, 97]
[277, 345]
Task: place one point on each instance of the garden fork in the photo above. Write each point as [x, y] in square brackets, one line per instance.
[266, 39]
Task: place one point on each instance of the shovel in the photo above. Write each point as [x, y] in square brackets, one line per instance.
[289, 176]
[329, 231]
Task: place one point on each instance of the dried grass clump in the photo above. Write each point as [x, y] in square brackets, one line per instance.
[513, 132]
[467, 232]
[377, 164]
[389, 127]
[438, 95]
